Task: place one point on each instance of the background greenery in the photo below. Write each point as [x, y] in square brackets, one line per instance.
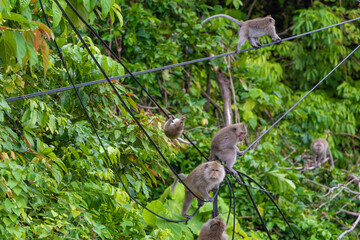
[54, 178]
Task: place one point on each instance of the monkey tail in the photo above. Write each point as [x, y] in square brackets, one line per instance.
[225, 16]
[182, 176]
[212, 156]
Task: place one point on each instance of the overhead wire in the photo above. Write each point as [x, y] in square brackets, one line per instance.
[175, 65]
[126, 107]
[11, 99]
[277, 121]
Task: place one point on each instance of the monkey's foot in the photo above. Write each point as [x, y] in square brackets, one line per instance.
[187, 216]
[278, 40]
[211, 199]
[233, 172]
[241, 153]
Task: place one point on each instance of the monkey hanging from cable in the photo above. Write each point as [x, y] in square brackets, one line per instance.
[252, 29]
[174, 127]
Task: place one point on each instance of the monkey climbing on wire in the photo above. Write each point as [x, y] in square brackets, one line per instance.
[252, 29]
[224, 144]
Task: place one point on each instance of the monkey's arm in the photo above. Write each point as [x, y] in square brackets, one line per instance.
[331, 158]
[240, 153]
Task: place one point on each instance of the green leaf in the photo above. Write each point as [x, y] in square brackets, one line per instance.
[20, 46]
[105, 7]
[16, 17]
[56, 14]
[23, 4]
[155, 206]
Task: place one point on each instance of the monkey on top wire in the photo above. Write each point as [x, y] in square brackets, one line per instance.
[252, 29]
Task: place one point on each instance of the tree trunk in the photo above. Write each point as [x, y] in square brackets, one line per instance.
[224, 84]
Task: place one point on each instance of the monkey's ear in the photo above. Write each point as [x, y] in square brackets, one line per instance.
[206, 165]
[234, 129]
[183, 117]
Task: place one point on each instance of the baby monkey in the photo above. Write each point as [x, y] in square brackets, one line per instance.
[252, 30]
[224, 144]
[174, 127]
[213, 229]
[204, 178]
[318, 148]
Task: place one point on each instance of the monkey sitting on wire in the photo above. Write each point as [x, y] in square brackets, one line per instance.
[203, 179]
[252, 30]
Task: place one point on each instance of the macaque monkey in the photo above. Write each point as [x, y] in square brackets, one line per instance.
[318, 148]
[174, 127]
[252, 29]
[213, 229]
[224, 144]
[204, 178]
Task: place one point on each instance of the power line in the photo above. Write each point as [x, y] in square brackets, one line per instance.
[168, 66]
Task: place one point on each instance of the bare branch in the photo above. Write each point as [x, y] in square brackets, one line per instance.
[350, 229]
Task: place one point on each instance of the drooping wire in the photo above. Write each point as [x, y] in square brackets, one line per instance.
[273, 201]
[93, 126]
[169, 66]
[277, 121]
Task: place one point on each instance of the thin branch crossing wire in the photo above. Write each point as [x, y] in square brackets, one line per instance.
[169, 66]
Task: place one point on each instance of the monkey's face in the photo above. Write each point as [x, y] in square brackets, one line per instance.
[319, 147]
[215, 170]
[217, 224]
[240, 131]
[178, 123]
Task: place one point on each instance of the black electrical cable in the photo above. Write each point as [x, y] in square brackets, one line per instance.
[109, 159]
[277, 121]
[169, 66]
[257, 210]
[282, 214]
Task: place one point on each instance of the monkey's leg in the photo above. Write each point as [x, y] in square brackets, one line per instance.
[187, 203]
[314, 159]
[228, 156]
[243, 35]
[253, 42]
[331, 158]
[258, 41]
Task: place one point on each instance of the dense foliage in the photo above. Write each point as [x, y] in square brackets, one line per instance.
[55, 179]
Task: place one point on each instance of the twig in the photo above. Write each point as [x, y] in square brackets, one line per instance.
[331, 190]
[342, 208]
[251, 8]
[348, 134]
[289, 154]
[351, 213]
[351, 228]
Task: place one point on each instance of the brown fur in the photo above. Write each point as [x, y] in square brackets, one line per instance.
[318, 148]
[204, 178]
[224, 144]
[252, 30]
[213, 229]
[174, 127]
